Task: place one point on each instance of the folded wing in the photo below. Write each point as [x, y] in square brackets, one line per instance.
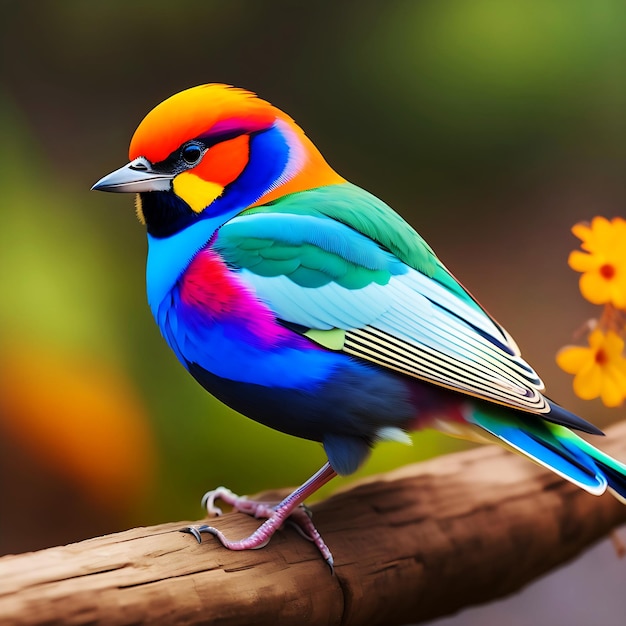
[346, 291]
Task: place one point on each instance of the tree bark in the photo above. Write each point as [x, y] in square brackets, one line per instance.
[411, 545]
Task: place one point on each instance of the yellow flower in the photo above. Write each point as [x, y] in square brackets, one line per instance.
[600, 369]
[604, 262]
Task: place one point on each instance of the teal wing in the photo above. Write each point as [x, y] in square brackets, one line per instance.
[366, 214]
[341, 267]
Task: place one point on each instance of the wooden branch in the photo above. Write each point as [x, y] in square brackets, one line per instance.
[411, 545]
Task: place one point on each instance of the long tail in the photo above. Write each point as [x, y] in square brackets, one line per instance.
[555, 447]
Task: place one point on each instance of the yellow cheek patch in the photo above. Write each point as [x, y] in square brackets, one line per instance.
[195, 191]
[139, 209]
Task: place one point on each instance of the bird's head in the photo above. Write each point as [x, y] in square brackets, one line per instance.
[212, 151]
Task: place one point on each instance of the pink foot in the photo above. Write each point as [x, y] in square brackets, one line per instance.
[290, 510]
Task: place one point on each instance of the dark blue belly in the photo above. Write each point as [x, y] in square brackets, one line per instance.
[344, 412]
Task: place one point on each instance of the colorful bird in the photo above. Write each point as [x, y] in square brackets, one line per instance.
[309, 305]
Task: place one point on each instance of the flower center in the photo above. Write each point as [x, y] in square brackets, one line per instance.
[601, 357]
[607, 271]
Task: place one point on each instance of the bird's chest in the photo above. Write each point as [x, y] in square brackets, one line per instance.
[211, 318]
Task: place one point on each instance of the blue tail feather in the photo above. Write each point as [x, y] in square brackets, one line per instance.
[613, 470]
[617, 480]
[554, 447]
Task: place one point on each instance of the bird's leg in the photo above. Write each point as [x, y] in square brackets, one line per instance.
[290, 510]
[300, 517]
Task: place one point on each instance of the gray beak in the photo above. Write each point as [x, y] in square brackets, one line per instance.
[137, 176]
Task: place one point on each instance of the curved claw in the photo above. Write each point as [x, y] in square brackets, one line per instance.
[253, 542]
[195, 531]
[331, 563]
[222, 493]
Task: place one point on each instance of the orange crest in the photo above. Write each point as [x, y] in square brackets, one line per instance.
[196, 112]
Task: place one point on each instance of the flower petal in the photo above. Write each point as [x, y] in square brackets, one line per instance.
[596, 341]
[618, 291]
[613, 345]
[595, 288]
[618, 376]
[572, 359]
[611, 393]
[583, 262]
[588, 382]
[582, 230]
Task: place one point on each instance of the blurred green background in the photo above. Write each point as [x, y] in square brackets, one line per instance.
[491, 125]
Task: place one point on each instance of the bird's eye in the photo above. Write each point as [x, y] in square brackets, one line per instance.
[191, 153]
